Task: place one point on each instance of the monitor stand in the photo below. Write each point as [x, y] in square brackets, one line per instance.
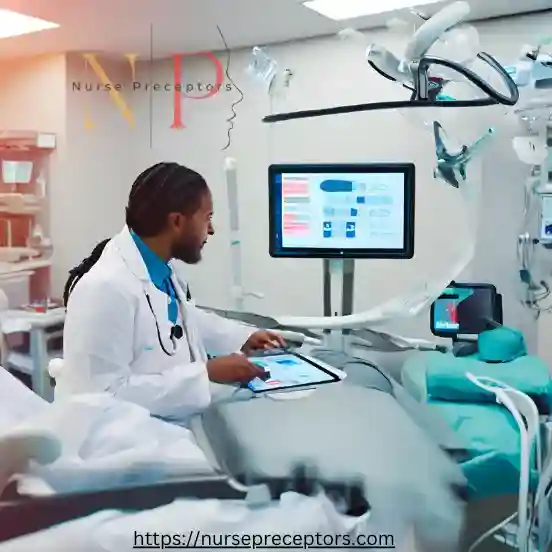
[462, 347]
[339, 279]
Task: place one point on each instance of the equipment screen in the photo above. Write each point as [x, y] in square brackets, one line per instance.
[546, 218]
[288, 371]
[464, 311]
[342, 211]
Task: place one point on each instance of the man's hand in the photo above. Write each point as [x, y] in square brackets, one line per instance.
[233, 369]
[263, 339]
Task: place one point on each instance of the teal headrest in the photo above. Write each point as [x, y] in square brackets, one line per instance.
[501, 345]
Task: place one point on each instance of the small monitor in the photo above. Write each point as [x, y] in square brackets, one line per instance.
[546, 218]
[465, 309]
[350, 211]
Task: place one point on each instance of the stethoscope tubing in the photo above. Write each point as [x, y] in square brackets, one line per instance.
[176, 331]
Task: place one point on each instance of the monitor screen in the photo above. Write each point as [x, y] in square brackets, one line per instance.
[288, 371]
[342, 211]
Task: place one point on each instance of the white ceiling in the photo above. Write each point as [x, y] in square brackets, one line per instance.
[123, 26]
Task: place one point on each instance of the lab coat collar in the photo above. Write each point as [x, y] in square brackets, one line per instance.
[125, 244]
[159, 270]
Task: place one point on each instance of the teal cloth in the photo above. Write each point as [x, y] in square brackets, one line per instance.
[446, 377]
[488, 432]
[160, 273]
[491, 437]
[501, 345]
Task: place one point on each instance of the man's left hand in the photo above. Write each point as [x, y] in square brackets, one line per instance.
[263, 339]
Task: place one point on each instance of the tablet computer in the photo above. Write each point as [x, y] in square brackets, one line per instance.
[289, 371]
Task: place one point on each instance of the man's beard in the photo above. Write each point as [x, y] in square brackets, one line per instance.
[187, 254]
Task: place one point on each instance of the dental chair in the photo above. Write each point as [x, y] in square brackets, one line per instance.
[488, 431]
[493, 436]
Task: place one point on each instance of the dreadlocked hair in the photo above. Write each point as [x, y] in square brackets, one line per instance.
[160, 190]
[79, 271]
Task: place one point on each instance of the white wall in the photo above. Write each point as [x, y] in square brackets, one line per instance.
[104, 161]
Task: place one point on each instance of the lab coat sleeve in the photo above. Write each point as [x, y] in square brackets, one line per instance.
[219, 335]
[99, 351]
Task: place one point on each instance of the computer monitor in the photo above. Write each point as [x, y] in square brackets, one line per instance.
[353, 211]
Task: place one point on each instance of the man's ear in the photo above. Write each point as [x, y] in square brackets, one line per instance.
[176, 220]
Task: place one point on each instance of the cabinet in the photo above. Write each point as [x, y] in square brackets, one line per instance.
[25, 246]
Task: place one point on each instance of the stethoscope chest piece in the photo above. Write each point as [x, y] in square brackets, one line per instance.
[177, 332]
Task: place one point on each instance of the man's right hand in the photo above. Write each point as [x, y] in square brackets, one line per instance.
[233, 369]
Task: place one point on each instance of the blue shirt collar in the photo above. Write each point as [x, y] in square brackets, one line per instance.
[158, 270]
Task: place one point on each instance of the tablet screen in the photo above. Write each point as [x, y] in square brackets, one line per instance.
[288, 370]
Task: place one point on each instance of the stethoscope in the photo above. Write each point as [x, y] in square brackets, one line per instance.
[177, 331]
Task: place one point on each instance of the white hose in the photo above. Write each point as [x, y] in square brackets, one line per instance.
[426, 36]
[491, 532]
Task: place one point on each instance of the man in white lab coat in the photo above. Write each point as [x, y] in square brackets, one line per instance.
[129, 329]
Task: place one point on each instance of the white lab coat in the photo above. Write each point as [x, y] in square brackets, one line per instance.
[111, 342]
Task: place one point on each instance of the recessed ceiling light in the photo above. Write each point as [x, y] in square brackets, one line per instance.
[350, 9]
[16, 24]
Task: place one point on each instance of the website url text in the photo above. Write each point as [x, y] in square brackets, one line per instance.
[197, 540]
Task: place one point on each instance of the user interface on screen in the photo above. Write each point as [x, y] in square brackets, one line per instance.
[342, 211]
[287, 371]
[445, 315]
[464, 311]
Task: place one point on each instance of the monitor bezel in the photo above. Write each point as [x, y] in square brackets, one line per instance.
[406, 252]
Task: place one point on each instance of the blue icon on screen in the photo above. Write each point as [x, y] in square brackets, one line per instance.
[351, 230]
[327, 229]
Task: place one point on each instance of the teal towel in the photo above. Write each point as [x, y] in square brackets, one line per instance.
[446, 377]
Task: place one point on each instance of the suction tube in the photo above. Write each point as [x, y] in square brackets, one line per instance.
[493, 93]
[495, 97]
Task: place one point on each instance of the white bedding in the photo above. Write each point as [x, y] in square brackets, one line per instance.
[104, 442]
